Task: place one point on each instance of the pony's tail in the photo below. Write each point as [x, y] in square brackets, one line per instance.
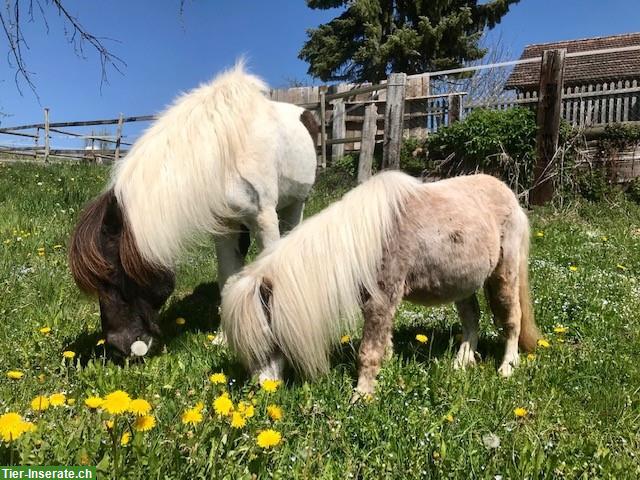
[245, 298]
[529, 333]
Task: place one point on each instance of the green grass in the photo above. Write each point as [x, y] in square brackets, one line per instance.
[582, 395]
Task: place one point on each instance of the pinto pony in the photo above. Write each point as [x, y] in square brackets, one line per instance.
[223, 160]
[388, 239]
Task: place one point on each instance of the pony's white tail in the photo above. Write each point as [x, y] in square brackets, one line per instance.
[171, 184]
[307, 289]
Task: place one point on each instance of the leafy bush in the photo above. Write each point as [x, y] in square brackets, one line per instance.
[500, 142]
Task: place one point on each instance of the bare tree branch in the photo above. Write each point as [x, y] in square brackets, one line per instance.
[75, 32]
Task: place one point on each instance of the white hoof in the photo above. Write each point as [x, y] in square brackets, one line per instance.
[221, 339]
[508, 366]
[465, 358]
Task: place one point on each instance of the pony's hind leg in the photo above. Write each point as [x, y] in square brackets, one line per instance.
[502, 290]
[378, 314]
[469, 313]
[290, 216]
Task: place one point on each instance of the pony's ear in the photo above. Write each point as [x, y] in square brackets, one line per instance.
[112, 221]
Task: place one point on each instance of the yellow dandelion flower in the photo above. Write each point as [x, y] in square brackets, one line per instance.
[268, 438]
[57, 399]
[109, 424]
[237, 420]
[218, 378]
[12, 426]
[139, 407]
[573, 268]
[15, 374]
[246, 409]
[271, 385]
[211, 337]
[125, 438]
[345, 339]
[223, 405]
[144, 423]
[543, 343]
[605, 238]
[40, 403]
[192, 416]
[422, 338]
[71, 401]
[180, 321]
[116, 402]
[93, 402]
[520, 412]
[41, 377]
[68, 354]
[449, 418]
[100, 342]
[540, 234]
[45, 330]
[199, 406]
[274, 412]
[531, 357]
[560, 329]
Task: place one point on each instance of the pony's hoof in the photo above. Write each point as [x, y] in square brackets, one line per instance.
[505, 370]
[220, 340]
[463, 361]
[361, 396]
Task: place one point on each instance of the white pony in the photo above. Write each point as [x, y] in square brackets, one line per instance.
[388, 239]
[223, 160]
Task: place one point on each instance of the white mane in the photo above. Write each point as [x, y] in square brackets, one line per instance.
[172, 183]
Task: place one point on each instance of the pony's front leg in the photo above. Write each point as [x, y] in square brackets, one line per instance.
[376, 338]
[469, 313]
[231, 250]
[267, 229]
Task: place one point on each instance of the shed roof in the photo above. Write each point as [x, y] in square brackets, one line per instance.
[584, 69]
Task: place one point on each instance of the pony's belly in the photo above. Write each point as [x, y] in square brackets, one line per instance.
[432, 298]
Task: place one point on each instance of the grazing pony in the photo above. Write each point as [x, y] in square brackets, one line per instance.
[388, 239]
[223, 160]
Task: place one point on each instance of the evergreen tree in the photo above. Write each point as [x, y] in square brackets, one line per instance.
[374, 37]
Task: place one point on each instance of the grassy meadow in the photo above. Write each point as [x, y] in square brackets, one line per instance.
[578, 397]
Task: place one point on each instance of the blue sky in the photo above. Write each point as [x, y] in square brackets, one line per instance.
[166, 53]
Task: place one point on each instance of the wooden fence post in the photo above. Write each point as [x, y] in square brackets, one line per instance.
[549, 107]
[46, 135]
[454, 108]
[323, 127]
[338, 124]
[393, 120]
[368, 143]
[118, 138]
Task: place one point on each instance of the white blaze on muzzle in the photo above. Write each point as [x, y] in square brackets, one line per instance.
[139, 348]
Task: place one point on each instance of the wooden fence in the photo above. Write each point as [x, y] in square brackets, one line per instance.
[358, 117]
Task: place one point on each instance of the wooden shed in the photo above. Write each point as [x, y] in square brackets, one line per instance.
[599, 88]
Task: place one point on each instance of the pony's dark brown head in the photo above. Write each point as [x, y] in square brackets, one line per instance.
[105, 261]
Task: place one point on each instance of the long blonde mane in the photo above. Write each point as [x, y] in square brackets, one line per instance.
[172, 183]
[314, 278]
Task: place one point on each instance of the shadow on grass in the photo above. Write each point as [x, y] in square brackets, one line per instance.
[440, 342]
[199, 309]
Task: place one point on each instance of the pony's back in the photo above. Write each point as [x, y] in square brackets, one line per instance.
[310, 298]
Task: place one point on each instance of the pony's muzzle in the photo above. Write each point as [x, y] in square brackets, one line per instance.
[140, 348]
